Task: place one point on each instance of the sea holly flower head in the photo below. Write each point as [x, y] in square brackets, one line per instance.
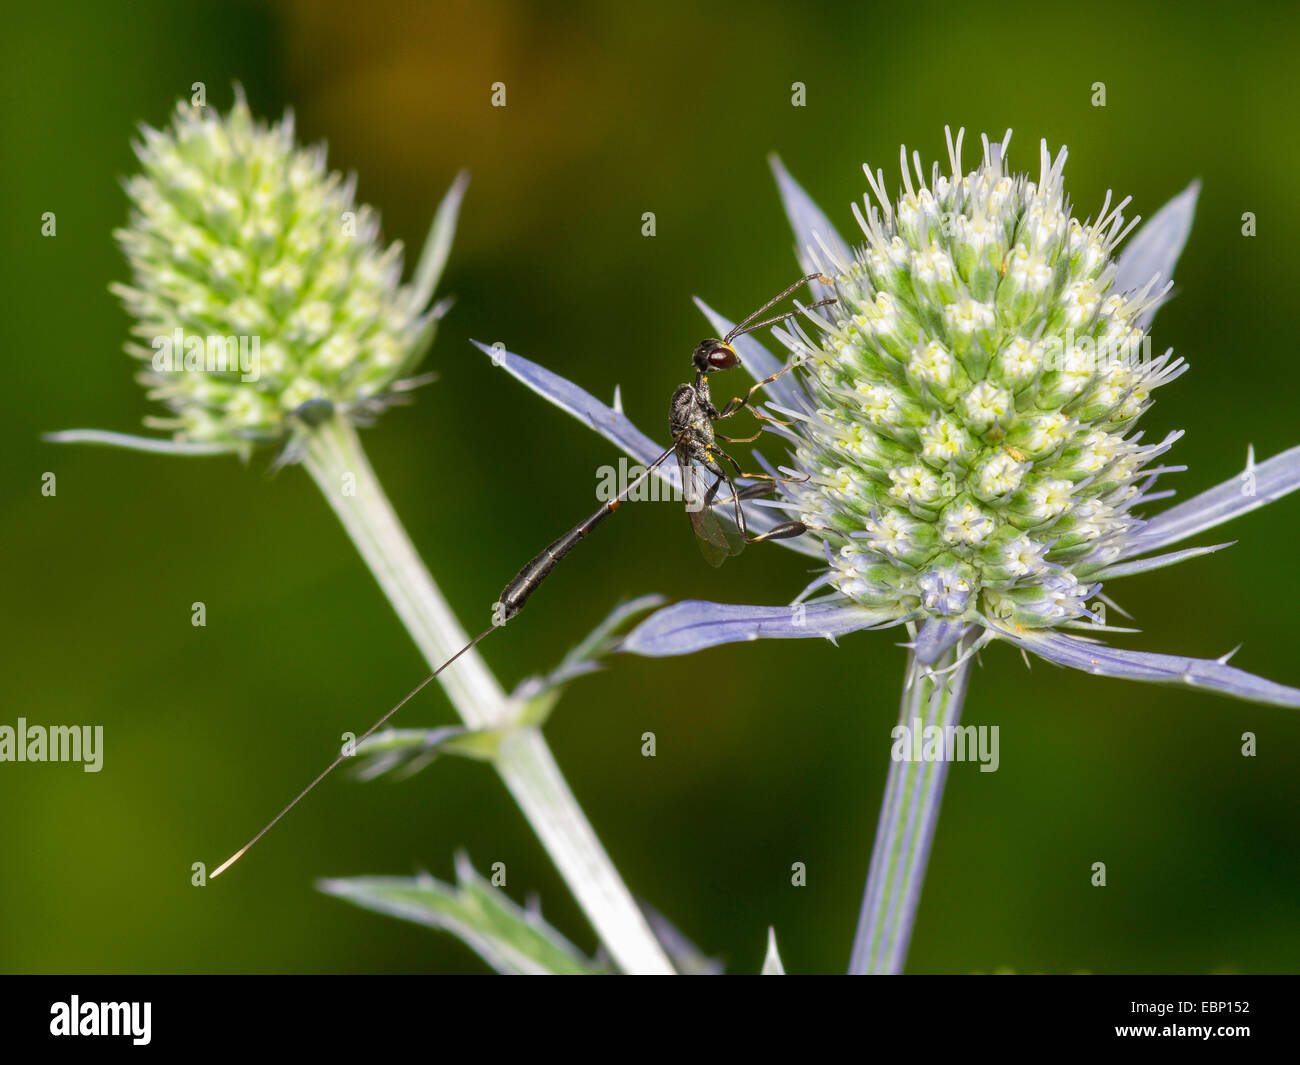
[262, 295]
[963, 423]
[970, 400]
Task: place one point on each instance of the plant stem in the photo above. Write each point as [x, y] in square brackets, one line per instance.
[907, 818]
[334, 456]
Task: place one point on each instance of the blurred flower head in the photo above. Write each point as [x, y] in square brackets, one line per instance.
[260, 289]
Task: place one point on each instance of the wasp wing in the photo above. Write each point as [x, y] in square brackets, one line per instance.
[717, 542]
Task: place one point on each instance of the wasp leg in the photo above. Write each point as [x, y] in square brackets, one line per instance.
[734, 464]
[741, 439]
[740, 402]
[712, 493]
[763, 416]
[742, 475]
[755, 491]
[785, 531]
[759, 415]
[708, 458]
[735, 502]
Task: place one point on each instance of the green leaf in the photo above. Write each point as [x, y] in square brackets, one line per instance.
[512, 940]
[414, 748]
[538, 695]
[437, 245]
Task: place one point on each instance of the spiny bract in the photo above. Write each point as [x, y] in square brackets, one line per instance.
[968, 441]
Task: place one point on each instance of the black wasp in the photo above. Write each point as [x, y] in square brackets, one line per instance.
[691, 420]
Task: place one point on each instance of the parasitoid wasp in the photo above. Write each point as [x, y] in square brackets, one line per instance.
[692, 418]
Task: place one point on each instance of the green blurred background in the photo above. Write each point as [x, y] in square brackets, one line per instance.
[768, 753]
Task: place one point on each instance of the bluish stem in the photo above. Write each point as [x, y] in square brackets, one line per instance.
[908, 817]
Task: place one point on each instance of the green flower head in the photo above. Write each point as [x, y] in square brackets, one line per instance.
[262, 294]
[968, 436]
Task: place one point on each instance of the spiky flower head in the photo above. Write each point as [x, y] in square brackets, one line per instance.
[968, 438]
[260, 288]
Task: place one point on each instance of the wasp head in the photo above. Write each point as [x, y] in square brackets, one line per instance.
[713, 355]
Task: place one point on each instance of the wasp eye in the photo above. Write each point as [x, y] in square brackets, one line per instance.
[723, 358]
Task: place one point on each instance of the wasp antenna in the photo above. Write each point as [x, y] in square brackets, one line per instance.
[779, 318]
[744, 327]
